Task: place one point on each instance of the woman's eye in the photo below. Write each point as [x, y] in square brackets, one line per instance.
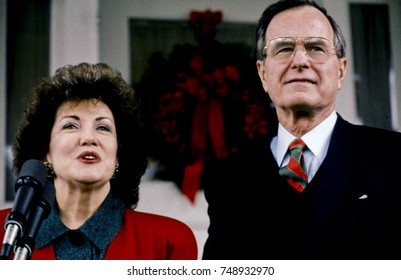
[69, 126]
[103, 127]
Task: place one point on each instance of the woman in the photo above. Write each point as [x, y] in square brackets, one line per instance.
[84, 124]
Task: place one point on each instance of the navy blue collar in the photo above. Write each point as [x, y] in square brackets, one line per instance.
[100, 229]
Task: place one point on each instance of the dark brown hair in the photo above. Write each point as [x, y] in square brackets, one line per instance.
[86, 82]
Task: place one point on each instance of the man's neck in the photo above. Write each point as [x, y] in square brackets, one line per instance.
[301, 122]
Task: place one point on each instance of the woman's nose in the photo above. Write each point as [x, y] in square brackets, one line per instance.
[88, 138]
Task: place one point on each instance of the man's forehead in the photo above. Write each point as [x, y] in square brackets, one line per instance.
[304, 21]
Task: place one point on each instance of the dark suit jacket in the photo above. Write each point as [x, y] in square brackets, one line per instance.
[350, 210]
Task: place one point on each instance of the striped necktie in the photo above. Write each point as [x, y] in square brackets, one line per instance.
[295, 170]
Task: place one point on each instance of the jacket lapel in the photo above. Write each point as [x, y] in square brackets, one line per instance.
[339, 172]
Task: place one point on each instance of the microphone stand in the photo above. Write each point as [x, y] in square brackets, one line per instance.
[22, 253]
[11, 234]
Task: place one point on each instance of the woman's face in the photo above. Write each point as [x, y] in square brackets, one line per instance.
[83, 144]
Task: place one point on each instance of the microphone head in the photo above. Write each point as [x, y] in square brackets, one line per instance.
[32, 171]
[29, 186]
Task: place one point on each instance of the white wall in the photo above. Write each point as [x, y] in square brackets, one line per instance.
[74, 32]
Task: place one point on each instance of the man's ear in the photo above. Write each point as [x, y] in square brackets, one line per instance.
[341, 71]
[262, 73]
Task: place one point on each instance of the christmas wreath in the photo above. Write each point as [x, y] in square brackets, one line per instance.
[202, 103]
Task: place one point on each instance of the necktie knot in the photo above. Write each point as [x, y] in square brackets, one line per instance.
[297, 144]
[295, 170]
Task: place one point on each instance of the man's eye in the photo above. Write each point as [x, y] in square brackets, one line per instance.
[285, 49]
[314, 48]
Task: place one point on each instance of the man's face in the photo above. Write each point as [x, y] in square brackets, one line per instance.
[298, 83]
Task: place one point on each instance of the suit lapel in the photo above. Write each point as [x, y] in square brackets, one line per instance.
[339, 172]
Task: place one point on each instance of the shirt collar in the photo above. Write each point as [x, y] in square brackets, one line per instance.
[317, 139]
[100, 228]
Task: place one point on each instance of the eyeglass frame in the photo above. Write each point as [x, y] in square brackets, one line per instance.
[296, 39]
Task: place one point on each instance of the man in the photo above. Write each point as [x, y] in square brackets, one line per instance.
[338, 196]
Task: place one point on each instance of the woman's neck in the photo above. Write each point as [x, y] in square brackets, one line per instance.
[76, 206]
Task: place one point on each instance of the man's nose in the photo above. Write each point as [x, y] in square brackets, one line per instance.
[300, 56]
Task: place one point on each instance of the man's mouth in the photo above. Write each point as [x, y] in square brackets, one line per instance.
[300, 81]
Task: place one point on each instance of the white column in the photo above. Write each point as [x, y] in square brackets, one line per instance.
[74, 32]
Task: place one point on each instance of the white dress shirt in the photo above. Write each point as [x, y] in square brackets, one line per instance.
[317, 141]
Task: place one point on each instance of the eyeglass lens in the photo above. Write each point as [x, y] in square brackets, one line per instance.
[317, 49]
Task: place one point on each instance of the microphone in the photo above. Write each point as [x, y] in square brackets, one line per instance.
[39, 212]
[28, 186]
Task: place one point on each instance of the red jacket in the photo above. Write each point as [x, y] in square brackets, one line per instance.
[142, 236]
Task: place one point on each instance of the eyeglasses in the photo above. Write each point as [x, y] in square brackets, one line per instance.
[282, 49]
